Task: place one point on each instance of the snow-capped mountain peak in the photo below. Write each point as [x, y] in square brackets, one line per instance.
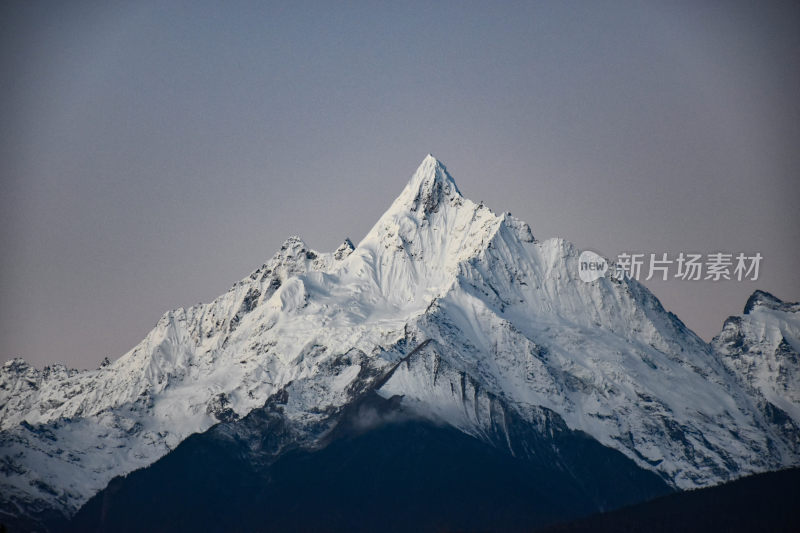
[762, 348]
[411, 255]
[444, 304]
[766, 300]
[429, 187]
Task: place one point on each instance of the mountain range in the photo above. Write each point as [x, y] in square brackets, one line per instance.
[449, 372]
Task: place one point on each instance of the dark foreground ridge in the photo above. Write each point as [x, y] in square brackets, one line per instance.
[764, 502]
[404, 475]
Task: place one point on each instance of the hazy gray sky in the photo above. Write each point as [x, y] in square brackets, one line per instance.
[152, 153]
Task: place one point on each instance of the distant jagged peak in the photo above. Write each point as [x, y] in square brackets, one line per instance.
[291, 245]
[293, 257]
[765, 300]
[294, 249]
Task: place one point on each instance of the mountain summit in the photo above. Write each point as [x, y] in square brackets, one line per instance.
[445, 314]
[429, 187]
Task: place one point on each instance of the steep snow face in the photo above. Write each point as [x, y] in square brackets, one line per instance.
[604, 356]
[413, 252]
[762, 347]
[439, 277]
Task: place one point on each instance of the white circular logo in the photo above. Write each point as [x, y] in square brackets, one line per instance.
[591, 266]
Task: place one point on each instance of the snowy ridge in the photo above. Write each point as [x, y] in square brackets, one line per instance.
[486, 307]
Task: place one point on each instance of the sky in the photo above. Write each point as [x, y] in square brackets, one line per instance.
[152, 153]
